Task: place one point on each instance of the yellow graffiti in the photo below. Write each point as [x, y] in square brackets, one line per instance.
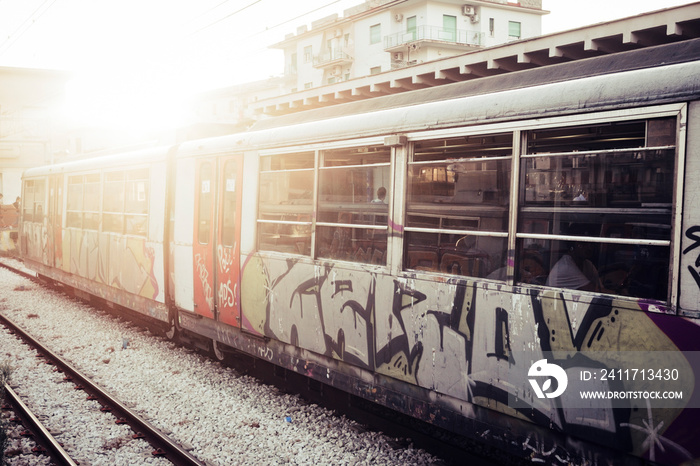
[255, 297]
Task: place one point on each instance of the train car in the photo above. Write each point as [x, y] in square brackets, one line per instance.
[476, 255]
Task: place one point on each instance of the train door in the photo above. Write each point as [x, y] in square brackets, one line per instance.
[55, 222]
[216, 247]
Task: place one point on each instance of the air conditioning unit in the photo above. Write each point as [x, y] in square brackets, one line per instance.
[398, 17]
[472, 12]
[398, 55]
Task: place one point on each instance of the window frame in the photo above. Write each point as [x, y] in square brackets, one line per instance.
[519, 128]
[126, 180]
[512, 25]
[35, 203]
[371, 255]
[375, 34]
[399, 171]
[292, 225]
[467, 233]
[316, 149]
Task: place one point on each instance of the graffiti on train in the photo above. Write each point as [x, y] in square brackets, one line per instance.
[227, 290]
[460, 338]
[203, 274]
[693, 233]
[127, 264]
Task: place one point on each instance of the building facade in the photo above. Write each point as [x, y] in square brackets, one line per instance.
[384, 35]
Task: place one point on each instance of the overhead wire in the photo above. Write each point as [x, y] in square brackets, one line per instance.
[14, 36]
[225, 17]
[270, 28]
[267, 28]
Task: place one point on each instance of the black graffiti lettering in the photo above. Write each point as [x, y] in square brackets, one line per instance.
[692, 233]
[341, 286]
[694, 273]
[502, 336]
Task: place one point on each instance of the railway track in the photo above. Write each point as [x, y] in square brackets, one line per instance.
[162, 444]
[46, 443]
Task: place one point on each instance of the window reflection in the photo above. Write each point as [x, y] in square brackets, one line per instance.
[596, 208]
[286, 203]
[457, 205]
[353, 204]
[33, 200]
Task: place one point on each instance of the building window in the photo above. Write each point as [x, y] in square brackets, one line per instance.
[492, 27]
[375, 70]
[308, 85]
[513, 30]
[375, 34]
[308, 54]
[293, 64]
[449, 26]
[411, 27]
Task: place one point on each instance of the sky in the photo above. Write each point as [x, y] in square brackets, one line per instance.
[160, 52]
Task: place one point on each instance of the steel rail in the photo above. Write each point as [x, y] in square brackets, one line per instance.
[42, 436]
[164, 446]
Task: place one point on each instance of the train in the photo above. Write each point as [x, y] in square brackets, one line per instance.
[475, 255]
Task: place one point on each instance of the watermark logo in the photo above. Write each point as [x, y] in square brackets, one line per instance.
[542, 369]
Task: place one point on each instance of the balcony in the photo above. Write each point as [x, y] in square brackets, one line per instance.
[332, 57]
[438, 35]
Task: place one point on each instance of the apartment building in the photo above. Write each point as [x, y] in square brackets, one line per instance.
[383, 35]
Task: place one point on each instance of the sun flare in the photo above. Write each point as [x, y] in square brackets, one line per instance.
[126, 101]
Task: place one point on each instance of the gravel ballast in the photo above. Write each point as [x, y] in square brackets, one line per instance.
[224, 418]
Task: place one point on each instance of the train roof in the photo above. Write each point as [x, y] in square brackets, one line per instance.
[124, 160]
[649, 57]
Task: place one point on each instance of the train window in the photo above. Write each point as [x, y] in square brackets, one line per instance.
[204, 209]
[457, 205]
[33, 200]
[83, 202]
[74, 207]
[228, 235]
[91, 202]
[125, 202]
[136, 202]
[286, 202]
[113, 203]
[353, 204]
[596, 207]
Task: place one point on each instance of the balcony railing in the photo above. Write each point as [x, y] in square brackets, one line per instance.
[331, 57]
[435, 34]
